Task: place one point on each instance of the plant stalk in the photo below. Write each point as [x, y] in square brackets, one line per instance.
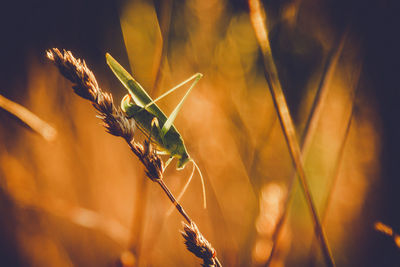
[271, 76]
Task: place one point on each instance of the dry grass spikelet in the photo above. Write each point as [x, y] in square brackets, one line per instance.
[85, 85]
[198, 245]
[114, 120]
[153, 163]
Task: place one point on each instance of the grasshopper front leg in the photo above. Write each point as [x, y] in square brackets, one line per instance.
[155, 126]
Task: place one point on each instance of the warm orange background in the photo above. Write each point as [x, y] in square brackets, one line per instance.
[75, 201]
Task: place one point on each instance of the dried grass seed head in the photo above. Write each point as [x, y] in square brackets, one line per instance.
[198, 245]
[85, 85]
[114, 119]
[75, 70]
[153, 163]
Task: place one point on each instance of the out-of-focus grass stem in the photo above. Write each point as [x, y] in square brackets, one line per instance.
[336, 170]
[309, 131]
[142, 188]
[30, 119]
[258, 21]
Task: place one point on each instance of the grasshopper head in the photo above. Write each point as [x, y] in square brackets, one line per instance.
[182, 161]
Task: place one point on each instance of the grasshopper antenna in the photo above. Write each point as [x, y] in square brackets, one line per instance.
[202, 183]
[195, 167]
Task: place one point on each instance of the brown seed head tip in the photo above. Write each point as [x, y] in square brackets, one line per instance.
[76, 70]
[54, 54]
[85, 85]
[50, 55]
[197, 244]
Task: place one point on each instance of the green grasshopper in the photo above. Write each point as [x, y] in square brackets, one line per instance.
[137, 104]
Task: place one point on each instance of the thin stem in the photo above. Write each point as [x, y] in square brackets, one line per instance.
[336, 170]
[281, 221]
[217, 262]
[173, 200]
[164, 18]
[180, 209]
[327, 202]
[285, 120]
[308, 132]
[34, 122]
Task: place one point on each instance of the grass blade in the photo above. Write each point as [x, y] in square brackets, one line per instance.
[164, 20]
[336, 170]
[258, 21]
[309, 131]
[34, 122]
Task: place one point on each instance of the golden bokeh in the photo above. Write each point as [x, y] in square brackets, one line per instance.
[84, 188]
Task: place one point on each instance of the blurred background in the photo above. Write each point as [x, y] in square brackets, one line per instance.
[81, 198]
